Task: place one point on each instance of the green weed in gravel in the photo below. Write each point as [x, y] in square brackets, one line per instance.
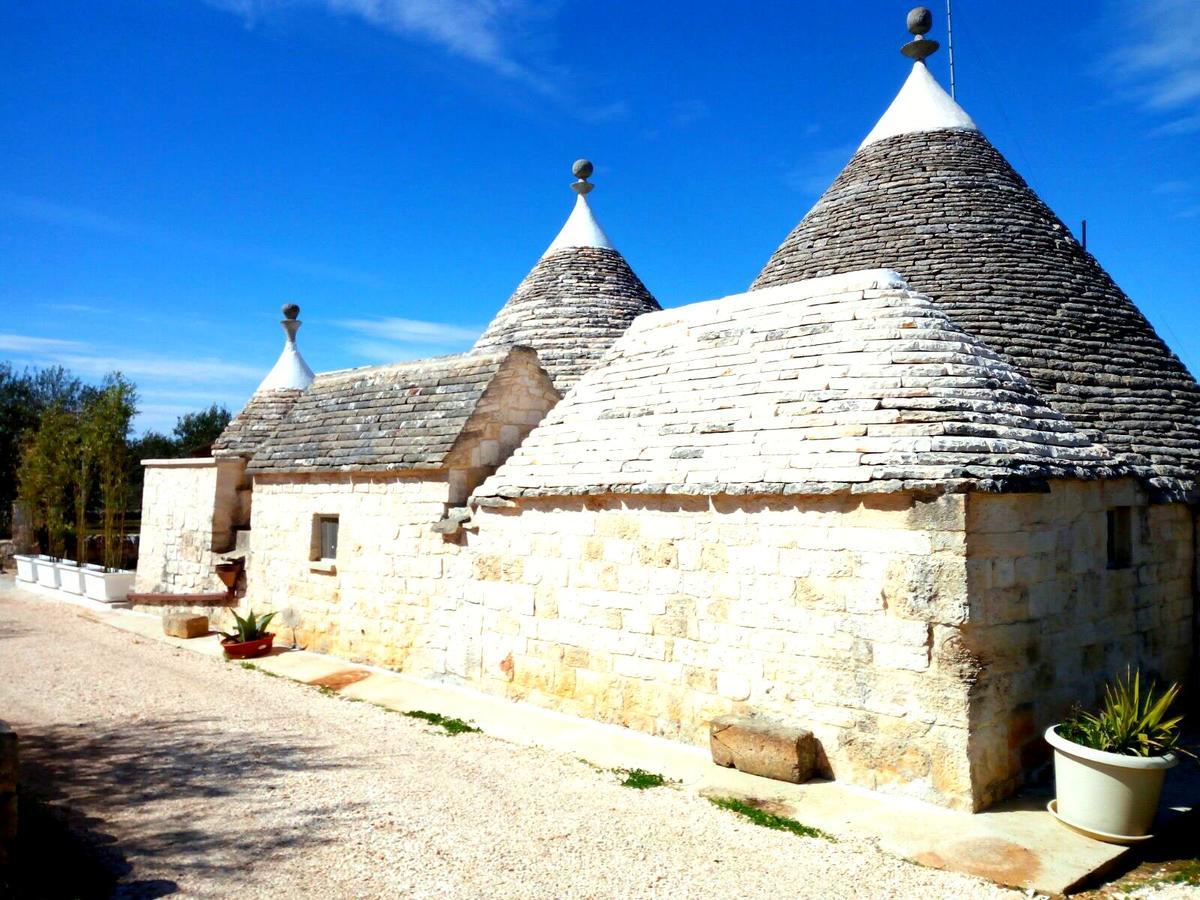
[1187, 873]
[252, 667]
[640, 779]
[452, 726]
[766, 819]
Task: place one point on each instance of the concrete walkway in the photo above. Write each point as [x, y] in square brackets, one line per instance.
[1018, 845]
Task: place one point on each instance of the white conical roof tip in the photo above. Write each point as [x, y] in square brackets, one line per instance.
[921, 105]
[290, 371]
[581, 228]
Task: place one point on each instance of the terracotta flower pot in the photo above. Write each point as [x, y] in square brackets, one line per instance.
[248, 649]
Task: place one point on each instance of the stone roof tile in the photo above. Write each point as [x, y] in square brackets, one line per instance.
[946, 209]
[570, 308]
[382, 418]
[852, 383]
[255, 423]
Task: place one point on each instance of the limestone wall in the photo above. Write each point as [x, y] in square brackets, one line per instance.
[926, 642]
[384, 599]
[189, 510]
[1050, 621]
[839, 614]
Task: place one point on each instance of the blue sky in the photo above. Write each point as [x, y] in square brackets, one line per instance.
[171, 171]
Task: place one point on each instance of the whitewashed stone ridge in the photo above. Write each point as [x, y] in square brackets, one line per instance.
[921, 105]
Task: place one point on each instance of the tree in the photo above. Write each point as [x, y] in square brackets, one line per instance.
[110, 419]
[23, 397]
[47, 472]
[196, 431]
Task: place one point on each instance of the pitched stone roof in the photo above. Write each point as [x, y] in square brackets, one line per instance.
[578, 299]
[384, 418]
[255, 423]
[851, 383]
[945, 209]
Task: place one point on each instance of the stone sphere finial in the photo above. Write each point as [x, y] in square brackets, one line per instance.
[920, 20]
[582, 168]
[291, 311]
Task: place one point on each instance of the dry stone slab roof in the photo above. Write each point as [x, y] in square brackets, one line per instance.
[945, 208]
[256, 422]
[849, 383]
[384, 418]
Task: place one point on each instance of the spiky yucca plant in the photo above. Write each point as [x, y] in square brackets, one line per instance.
[1130, 721]
[249, 628]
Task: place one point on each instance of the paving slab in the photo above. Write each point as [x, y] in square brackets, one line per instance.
[1016, 843]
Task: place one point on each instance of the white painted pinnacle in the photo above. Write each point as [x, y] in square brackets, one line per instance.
[290, 370]
[581, 230]
[921, 105]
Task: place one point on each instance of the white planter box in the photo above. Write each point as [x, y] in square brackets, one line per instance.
[70, 576]
[25, 568]
[1110, 796]
[47, 572]
[107, 587]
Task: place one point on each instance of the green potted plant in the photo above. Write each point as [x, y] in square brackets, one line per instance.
[249, 638]
[1109, 765]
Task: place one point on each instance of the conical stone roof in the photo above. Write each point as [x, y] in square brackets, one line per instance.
[930, 197]
[577, 300]
[852, 383]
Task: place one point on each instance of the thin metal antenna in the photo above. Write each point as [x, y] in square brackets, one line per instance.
[950, 47]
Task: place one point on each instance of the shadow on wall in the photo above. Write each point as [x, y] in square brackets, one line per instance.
[159, 768]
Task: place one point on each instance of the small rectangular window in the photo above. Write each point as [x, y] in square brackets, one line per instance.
[325, 537]
[1120, 537]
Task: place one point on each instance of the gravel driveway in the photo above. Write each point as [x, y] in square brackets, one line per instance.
[186, 775]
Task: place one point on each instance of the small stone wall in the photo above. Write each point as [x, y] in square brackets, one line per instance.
[189, 510]
[1051, 622]
[384, 599]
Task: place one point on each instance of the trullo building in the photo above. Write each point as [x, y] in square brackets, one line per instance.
[922, 487]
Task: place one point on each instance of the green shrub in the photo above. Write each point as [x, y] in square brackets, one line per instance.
[1130, 721]
[249, 628]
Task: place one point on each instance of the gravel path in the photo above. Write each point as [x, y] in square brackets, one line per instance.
[199, 777]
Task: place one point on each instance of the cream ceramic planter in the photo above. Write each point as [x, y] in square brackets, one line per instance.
[107, 587]
[25, 567]
[1110, 796]
[46, 571]
[70, 576]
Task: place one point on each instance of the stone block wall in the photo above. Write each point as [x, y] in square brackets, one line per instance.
[1050, 621]
[517, 398]
[838, 614]
[385, 600]
[926, 642]
[189, 510]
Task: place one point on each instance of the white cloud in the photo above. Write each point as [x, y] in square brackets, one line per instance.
[25, 343]
[89, 362]
[1158, 59]
[391, 340]
[473, 29]
[412, 331]
[49, 212]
